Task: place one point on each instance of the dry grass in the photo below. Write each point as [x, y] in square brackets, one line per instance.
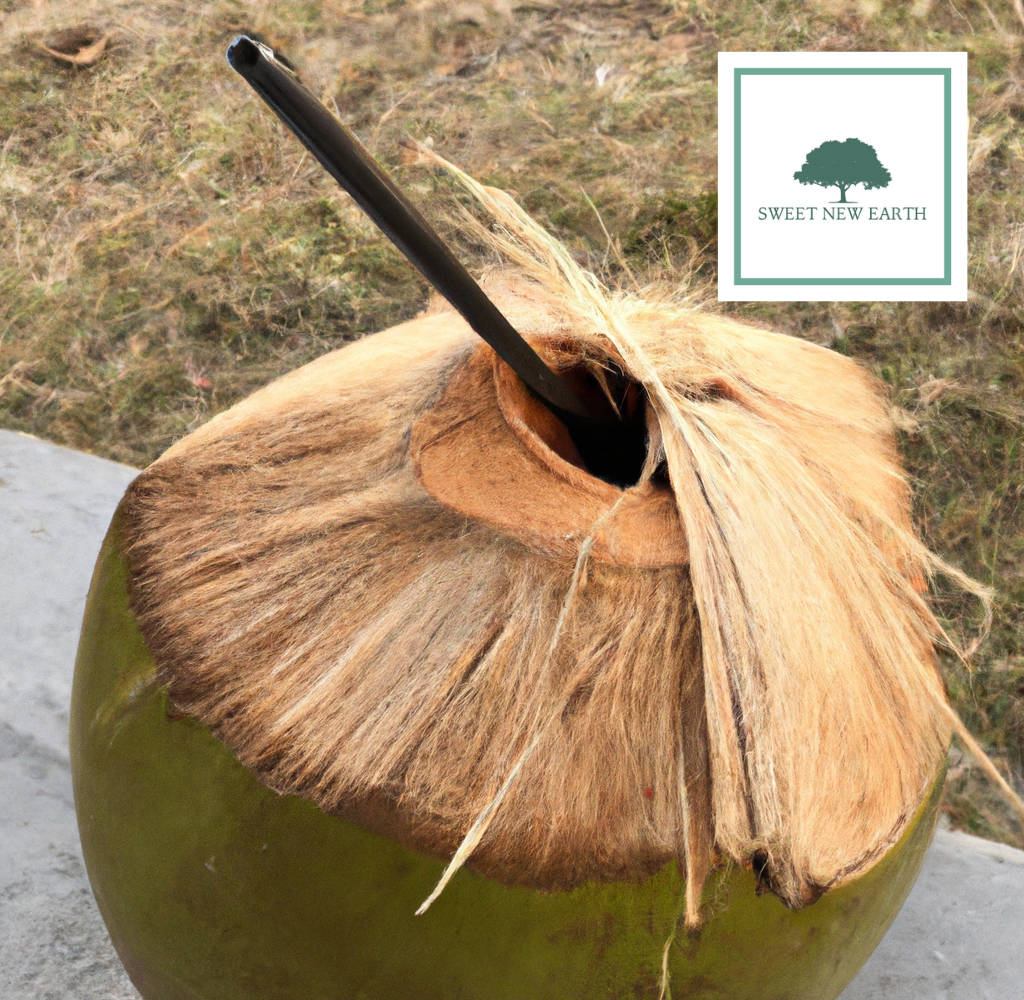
[168, 248]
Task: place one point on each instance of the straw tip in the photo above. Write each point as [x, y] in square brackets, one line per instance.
[243, 53]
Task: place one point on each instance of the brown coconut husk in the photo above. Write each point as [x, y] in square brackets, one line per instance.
[387, 584]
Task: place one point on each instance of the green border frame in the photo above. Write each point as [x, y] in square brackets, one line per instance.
[946, 73]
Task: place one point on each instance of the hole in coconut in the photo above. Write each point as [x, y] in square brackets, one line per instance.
[492, 451]
[614, 449]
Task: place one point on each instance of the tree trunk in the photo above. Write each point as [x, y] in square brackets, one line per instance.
[842, 194]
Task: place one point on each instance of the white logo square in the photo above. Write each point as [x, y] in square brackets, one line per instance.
[842, 176]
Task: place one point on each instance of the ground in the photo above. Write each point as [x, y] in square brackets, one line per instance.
[168, 247]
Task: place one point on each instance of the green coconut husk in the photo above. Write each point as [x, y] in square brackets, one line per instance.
[215, 887]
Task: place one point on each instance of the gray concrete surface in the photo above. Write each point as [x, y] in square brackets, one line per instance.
[959, 937]
[54, 508]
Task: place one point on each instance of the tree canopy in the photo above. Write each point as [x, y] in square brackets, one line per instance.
[842, 165]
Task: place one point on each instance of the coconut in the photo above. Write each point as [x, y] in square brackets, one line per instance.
[382, 694]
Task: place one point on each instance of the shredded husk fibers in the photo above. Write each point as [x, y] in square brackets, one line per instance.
[546, 715]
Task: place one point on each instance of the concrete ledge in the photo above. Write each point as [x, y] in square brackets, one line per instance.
[959, 937]
[55, 505]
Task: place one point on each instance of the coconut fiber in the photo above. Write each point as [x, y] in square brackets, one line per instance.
[387, 584]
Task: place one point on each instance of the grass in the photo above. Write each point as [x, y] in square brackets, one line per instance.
[168, 248]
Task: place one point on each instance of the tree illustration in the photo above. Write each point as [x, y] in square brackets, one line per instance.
[842, 165]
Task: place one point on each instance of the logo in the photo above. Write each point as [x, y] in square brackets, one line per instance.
[843, 165]
[807, 214]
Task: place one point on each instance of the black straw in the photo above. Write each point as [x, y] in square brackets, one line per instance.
[347, 161]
